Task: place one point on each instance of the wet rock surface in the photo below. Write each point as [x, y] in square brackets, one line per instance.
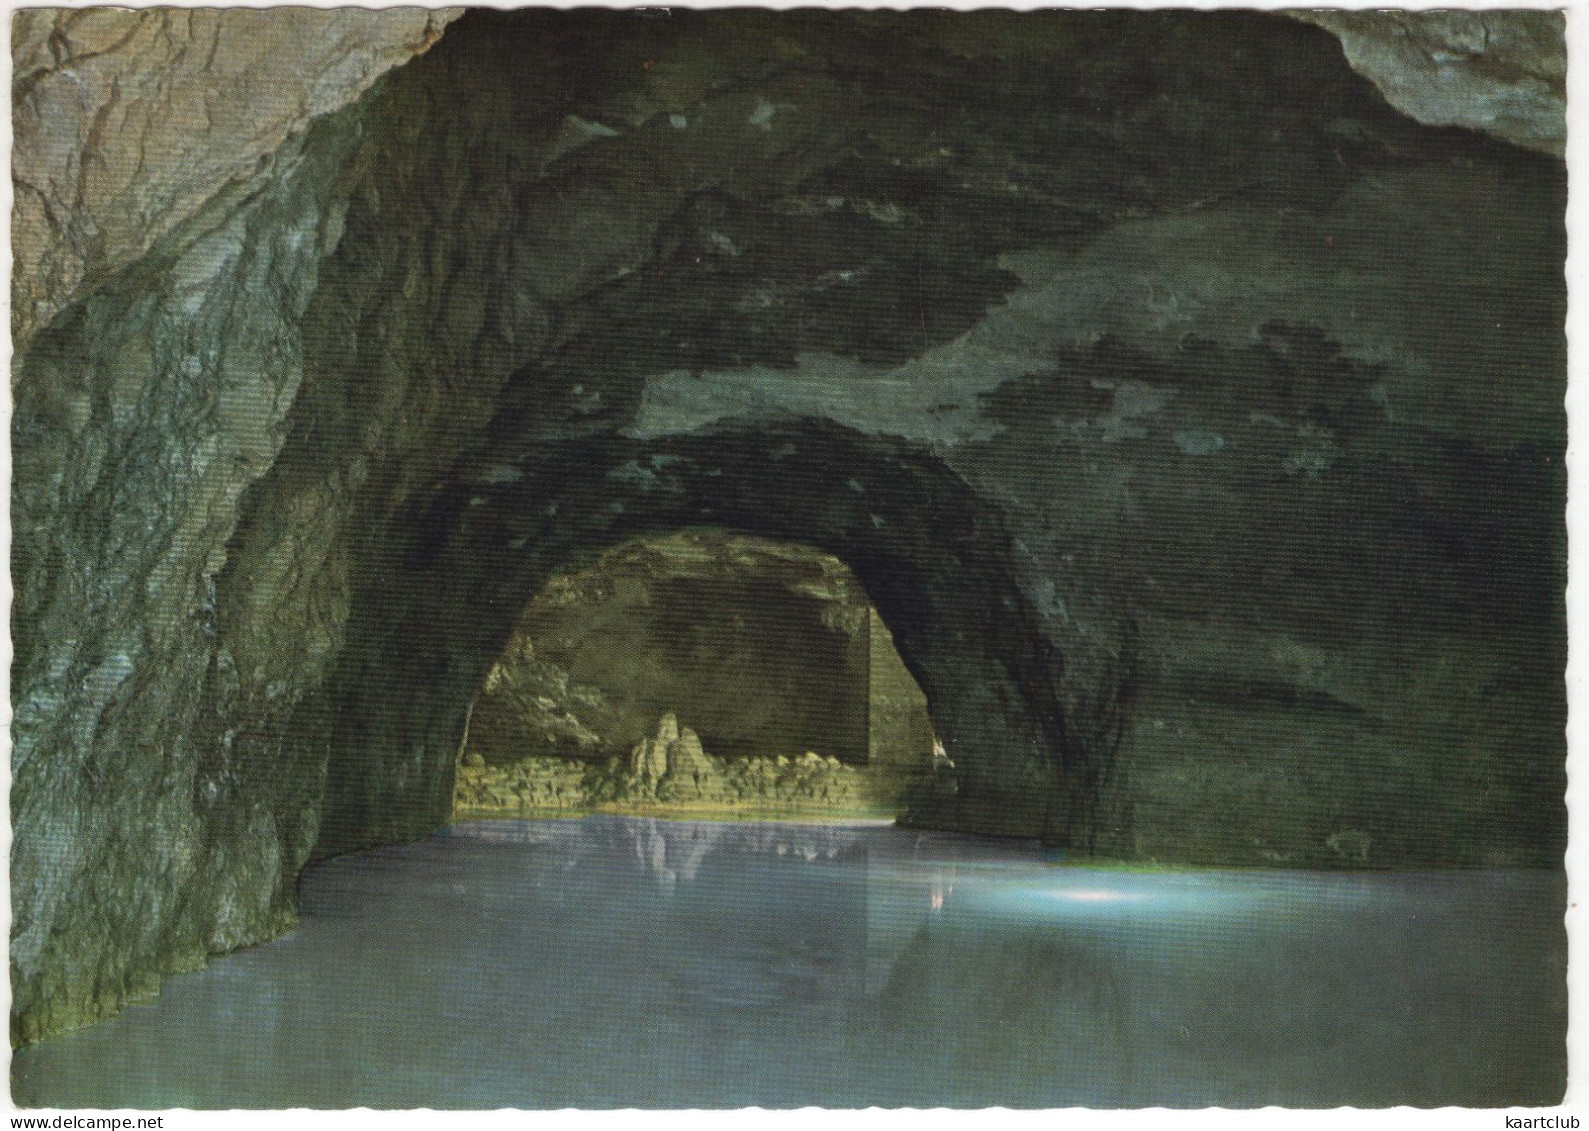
[1191, 418]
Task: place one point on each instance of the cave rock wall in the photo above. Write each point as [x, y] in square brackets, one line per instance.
[126, 122]
[176, 199]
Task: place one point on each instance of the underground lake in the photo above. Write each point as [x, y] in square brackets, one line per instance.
[696, 558]
[617, 962]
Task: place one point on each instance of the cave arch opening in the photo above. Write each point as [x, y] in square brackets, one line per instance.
[939, 569]
[699, 670]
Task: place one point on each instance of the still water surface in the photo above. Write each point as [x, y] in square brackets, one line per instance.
[618, 962]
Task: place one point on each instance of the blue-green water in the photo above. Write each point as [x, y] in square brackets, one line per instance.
[614, 962]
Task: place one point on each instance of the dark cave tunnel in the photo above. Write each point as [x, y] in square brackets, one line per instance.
[939, 573]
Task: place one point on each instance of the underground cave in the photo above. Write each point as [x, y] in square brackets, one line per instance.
[745, 538]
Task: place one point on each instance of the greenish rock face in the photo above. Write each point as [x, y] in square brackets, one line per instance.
[1192, 419]
[1504, 72]
[158, 815]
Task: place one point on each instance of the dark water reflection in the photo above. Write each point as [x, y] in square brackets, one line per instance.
[611, 962]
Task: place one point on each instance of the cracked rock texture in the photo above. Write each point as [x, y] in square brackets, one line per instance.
[1192, 419]
[1503, 72]
[126, 122]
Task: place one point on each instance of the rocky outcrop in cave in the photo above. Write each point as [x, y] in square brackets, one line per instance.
[1191, 416]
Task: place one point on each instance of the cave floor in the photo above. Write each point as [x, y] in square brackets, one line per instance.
[615, 961]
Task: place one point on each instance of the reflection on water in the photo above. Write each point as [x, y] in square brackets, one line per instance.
[622, 962]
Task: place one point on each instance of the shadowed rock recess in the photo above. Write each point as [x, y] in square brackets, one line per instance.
[1191, 417]
[771, 649]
